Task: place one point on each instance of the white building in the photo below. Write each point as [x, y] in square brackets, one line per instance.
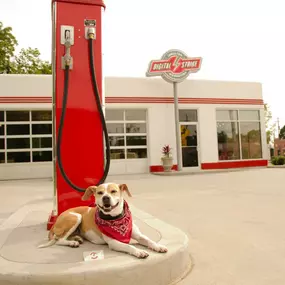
[222, 124]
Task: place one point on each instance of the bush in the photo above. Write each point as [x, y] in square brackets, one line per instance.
[278, 160]
[274, 160]
[281, 160]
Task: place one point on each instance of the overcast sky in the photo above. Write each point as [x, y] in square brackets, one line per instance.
[241, 40]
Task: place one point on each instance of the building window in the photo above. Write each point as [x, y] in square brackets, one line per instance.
[127, 133]
[238, 134]
[25, 136]
[188, 116]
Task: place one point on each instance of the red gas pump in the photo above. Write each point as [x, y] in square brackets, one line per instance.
[78, 117]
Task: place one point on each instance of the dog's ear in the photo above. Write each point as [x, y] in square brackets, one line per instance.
[91, 190]
[124, 187]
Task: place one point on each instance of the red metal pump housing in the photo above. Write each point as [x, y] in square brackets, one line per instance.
[81, 147]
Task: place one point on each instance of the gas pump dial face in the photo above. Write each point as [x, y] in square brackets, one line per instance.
[90, 23]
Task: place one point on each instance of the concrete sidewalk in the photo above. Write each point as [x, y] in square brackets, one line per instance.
[234, 220]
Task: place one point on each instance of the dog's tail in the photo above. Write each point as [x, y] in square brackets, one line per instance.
[49, 243]
[52, 240]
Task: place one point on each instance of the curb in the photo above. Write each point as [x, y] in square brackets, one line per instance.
[121, 269]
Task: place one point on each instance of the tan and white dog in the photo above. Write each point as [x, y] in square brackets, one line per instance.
[109, 222]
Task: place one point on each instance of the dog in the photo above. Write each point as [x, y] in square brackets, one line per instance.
[109, 222]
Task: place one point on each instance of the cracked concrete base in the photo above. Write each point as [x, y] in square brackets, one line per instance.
[21, 262]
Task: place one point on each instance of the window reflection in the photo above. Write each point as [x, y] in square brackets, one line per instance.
[116, 141]
[117, 153]
[188, 116]
[41, 115]
[228, 141]
[114, 115]
[114, 128]
[2, 130]
[41, 156]
[226, 115]
[2, 157]
[18, 157]
[17, 116]
[136, 128]
[136, 153]
[14, 130]
[135, 115]
[250, 140]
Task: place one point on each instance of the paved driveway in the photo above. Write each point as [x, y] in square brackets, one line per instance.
[235, 220]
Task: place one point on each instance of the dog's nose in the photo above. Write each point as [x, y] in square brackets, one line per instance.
[106, 200]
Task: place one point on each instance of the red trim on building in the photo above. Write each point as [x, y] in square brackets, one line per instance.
[159, 168]
[27, 100]
[168, 100]
[234, 164]
[149, 100]
[219, 165]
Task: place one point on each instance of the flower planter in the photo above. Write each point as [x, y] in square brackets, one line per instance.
[167, 163]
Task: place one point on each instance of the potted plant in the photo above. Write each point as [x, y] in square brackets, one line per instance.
[167, 159]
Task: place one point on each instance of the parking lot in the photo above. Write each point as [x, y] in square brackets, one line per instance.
[234, 220]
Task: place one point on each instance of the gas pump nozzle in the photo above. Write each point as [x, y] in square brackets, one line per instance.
[67, 59]
[91, 33]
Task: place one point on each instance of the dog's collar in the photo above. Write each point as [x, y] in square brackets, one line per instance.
[109, 217]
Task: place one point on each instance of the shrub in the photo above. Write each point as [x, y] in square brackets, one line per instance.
[280, 160]
[274, 160]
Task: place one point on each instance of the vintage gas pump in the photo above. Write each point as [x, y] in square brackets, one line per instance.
[78, 117]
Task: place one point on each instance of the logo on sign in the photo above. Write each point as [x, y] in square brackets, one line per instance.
[174, 66]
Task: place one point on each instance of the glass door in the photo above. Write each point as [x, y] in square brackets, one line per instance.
[189, 145]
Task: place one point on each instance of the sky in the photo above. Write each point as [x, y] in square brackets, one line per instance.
[239, 40]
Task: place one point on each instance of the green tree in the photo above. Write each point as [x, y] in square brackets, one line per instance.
[26, 62]
[8, 44]
[282, 133]
[268, 123]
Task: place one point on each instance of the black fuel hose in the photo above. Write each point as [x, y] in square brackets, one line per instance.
[102, 119]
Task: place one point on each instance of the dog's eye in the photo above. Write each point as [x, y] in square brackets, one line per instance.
[100, 193]
[113, 191]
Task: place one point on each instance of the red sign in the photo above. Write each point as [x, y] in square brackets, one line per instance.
[174, 66]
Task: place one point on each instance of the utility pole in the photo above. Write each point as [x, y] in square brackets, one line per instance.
[278, 128]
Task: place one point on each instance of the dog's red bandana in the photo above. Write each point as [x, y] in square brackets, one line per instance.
[119, 229]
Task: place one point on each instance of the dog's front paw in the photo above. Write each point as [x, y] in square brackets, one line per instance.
[141, 253]
[74, 243]
[159, 248]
